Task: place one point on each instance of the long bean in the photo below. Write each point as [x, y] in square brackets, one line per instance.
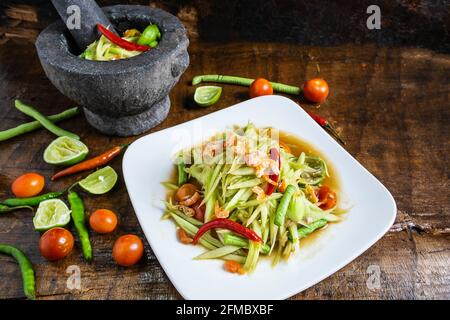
[233, 240]
[284, 204]
[34, 125]
[26, 268]
[32, 201]
[46, 123]
[79, 219]
[181, 173]
[4, 208]
[279, 87]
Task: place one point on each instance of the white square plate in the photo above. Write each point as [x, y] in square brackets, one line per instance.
[148, 162]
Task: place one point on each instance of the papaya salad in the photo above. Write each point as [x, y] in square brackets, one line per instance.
[245, 193]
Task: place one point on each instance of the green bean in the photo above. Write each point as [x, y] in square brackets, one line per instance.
[181, 173]
[4, 208]
[31, 126]
[279, 87]
[32, 201]
[284, 204]
[46, 123]
[305, 231]
[79, 219]
[26, 268]
[233, 240]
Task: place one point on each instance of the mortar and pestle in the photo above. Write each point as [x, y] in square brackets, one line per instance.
[122, 97]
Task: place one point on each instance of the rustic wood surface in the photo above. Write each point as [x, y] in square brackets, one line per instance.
[390, 103]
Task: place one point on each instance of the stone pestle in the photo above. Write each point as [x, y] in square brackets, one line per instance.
[80, 18]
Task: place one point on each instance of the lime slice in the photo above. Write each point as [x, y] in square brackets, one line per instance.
[207, 95]
[99, 182]
[51, 213]
[65, 151]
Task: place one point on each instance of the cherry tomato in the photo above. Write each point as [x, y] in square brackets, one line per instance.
[56, 244]
[199, 211]
[128, 250]
[28, 185]
[326, 197]
[316, 90]
[103, 221]
[260, 87]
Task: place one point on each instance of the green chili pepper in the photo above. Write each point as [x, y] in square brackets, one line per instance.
[46, 123]
[26, 269]
[31, 126]
[181, 173]
[4, 209]
[283, 206]
[149, 35]
[33, 201]
[279, 87]
[79, 219]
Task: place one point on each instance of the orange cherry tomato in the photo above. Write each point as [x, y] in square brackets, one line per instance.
[316, 90]
[103, 221]
[128, 250]
[56, 244]
[260, 87]
[28, 185]
[326, 197]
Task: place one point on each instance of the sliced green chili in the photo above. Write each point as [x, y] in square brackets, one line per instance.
[279, 87]
[283, 206]
[46, 123]
[31, 126]
[26, 268]
[32, 201]
[79, 220]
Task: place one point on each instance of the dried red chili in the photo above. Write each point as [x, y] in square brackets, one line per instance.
[226, 224]
[327, 126]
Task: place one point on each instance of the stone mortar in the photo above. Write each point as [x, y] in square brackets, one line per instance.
[122, 97]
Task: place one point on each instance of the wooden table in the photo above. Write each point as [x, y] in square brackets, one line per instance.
[390, 103]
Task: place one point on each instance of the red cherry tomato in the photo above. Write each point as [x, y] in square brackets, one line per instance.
[316, 90]
[260, 87]
[326, 197]
[199, 211]
[103, 221]
[28, 185]
[128, 250]
[56, 244]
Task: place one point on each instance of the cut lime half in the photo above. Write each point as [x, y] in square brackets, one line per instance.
[207, 95]
[99, 182]
[50, 214]
[65, 151]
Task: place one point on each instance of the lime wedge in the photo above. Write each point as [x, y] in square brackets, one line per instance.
[207, 95]
[51, 213]
[65, 151]
[99, 182]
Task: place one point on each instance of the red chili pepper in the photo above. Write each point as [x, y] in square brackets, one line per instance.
[89, 164]
[327, 126]
[127, 45]
[226, 224]
[274, 155]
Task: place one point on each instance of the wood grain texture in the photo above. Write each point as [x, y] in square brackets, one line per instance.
[390, 103]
